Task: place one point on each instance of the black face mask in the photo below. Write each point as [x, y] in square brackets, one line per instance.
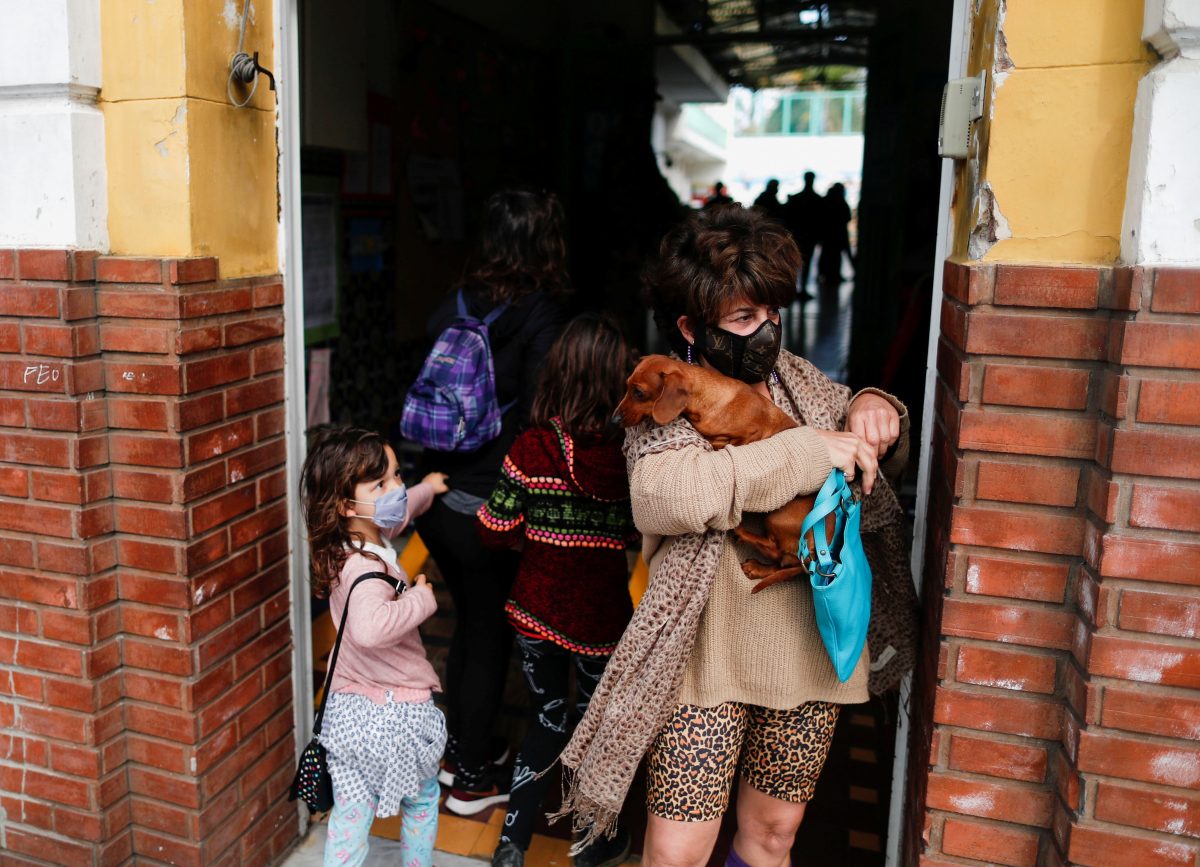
[748, 357]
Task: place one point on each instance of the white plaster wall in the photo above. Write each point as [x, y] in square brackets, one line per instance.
[1161, 223]
[689, 161]
[36, 42]
[53, 187]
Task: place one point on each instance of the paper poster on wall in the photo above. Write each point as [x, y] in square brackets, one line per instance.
[318, 224]
[437, 195]
[318, 386]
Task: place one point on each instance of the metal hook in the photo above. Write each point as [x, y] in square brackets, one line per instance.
[264, 71]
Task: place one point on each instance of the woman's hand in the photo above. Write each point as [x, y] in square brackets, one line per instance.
[875, 420]
[437, 481]
[848, 450]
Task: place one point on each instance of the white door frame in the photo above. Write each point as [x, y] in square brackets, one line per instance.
[287, 62]
[960, 46]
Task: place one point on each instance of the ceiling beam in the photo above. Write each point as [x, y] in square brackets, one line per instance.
[772, 37]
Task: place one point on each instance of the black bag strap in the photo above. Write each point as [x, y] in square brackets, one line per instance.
[337, 643]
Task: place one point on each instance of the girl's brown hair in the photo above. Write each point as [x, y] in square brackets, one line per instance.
[523, 247]
[714, 257]
[583, 377]
[341, 458]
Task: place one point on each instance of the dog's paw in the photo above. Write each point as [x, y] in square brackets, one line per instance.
[754, 570]
[775, 576]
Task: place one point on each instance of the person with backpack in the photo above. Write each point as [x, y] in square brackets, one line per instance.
[473, 397]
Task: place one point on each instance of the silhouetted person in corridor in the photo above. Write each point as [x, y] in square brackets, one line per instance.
[802, 216]
[834, 236]
[768, 201]
[719, 197]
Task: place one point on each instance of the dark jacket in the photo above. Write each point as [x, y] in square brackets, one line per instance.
[520, 339]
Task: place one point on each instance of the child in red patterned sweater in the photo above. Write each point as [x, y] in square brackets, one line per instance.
[563, 498]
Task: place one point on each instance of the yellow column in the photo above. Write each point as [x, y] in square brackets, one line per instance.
[1062, 77]
[188, 173]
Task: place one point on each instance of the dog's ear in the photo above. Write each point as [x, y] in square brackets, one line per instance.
[671, 400]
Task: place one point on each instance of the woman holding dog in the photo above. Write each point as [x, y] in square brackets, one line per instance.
[710, 680]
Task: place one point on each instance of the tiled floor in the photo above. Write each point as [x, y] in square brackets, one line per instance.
[819, 328]
[384, 853]
[461, 842]
[477, 836]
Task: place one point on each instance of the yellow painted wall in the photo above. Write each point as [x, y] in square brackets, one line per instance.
[969, 174]
[188, 174]
[234, 205]
[146, 148]
[1062, 79]
[1074, 32]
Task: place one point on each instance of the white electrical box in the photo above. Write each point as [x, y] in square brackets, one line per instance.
[962, 105]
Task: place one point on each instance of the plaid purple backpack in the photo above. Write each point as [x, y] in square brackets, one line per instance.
[452, 407]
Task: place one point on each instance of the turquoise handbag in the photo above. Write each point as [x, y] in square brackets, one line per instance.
[839, 574]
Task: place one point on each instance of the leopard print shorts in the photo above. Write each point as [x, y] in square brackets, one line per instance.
[691, 764]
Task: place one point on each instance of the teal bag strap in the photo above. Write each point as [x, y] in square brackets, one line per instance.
[832, 497]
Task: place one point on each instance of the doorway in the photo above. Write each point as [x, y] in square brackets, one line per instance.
[411, 113]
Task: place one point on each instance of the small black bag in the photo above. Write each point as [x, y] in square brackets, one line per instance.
[312, 783]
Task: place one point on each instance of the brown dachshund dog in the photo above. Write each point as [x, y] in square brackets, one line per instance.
[725, 412]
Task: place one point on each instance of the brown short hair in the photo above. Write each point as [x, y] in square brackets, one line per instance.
[714, 257]
[583, 376]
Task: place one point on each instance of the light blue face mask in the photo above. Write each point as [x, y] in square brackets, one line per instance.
[390, 510]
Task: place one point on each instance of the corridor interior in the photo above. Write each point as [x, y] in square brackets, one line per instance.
[846, 822]
[413, 112]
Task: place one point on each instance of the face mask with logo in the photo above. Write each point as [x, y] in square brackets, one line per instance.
[748, 357]
[390, 510]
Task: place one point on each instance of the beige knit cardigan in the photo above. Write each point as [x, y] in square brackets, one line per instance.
[757, 648]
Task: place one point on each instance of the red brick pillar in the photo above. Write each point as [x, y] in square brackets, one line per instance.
[193, 368]
[1020, 368]
[145, 645]
[63, 787]
[1134, 720]
[1061, 573]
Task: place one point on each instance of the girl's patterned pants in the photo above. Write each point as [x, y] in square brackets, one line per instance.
[547, 668]
[350, 826]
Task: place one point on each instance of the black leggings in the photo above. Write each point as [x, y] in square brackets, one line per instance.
[479, 579]
[547, 673]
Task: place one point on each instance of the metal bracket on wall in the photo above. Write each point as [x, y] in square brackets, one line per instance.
[244, 68]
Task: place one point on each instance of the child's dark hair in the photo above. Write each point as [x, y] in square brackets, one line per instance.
[523, 248]
[339, 459]
[583, 377]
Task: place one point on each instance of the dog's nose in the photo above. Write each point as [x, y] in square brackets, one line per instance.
[616, 418]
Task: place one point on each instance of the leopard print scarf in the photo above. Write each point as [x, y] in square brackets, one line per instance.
[630, 705]
[636, 696]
